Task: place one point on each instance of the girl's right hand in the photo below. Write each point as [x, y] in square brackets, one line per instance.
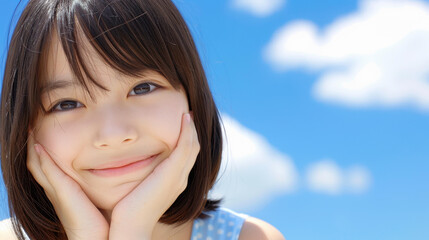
[78, 215]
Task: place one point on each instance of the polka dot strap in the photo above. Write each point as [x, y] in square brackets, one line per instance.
[223, 224]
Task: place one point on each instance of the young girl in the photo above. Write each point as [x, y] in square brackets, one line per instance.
[109, 129]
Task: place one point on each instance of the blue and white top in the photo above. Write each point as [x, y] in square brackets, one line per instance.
[222, 224]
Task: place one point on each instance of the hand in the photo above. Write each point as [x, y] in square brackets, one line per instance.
[78, 215]
[136, 215]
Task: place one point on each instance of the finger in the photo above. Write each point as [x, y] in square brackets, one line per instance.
[156, 187]
[173, 165]
[180, 162]
[63, 191]
[78, 215]
[195, 146]
[56, 177]
[33, 165]
[187, 145]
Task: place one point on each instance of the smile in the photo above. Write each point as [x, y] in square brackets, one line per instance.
[123, 168]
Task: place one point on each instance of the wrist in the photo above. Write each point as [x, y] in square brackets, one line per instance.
[129, 231]
[126, 224]
[73, 236]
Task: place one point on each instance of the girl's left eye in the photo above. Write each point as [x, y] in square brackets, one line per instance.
[143, 88]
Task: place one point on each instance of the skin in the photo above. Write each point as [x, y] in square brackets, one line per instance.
[65, 145]
[80, 135]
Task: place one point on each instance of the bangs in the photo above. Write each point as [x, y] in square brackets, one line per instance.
[124, 35]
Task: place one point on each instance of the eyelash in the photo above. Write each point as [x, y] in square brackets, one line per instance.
[152, 87]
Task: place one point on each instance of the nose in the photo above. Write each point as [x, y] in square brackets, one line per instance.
[114, 131]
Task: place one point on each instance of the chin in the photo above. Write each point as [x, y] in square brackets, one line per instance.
[107, 199]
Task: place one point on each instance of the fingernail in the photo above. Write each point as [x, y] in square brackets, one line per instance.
[37, 148]
[188, 117]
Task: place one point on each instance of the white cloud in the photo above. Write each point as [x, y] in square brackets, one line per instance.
[327, 177]
[377, 56]
[252, 171]
[260, 8]
[324, 176]
[358, 179]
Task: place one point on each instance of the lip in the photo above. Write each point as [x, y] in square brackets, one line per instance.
[123, 166]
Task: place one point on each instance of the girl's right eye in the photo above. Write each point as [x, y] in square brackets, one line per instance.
[65, 106]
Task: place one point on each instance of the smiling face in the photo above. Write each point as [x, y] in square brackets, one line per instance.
[99, 142]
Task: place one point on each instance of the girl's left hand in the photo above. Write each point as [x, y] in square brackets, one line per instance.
[136, 215]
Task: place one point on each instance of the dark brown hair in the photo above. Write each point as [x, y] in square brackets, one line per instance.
[131, 36]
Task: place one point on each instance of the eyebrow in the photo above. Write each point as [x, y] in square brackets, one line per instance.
[59, 84]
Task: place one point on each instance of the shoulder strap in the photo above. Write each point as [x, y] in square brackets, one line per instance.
[222, 224]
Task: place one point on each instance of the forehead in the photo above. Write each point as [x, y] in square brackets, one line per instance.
[55, 66]
[54, 61]
[57, 72]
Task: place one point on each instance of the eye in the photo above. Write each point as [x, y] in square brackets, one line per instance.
[66, 106]
[143, 88]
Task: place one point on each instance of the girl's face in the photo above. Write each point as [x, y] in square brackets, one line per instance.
[100, 143]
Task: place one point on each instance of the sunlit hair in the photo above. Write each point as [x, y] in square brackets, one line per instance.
[130, 36]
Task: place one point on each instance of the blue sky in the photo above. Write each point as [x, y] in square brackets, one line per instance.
[326, 107]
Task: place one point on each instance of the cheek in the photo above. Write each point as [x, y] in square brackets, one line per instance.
[164, 118]
[59, 140]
